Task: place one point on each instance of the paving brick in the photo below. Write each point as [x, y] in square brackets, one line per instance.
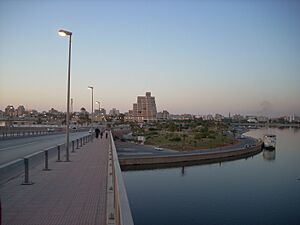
[71, 193]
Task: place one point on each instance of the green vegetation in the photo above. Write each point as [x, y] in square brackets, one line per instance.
[185, 135]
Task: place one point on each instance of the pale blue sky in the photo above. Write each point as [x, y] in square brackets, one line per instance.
[194, 56]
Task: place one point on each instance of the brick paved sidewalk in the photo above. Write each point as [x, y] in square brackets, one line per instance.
[71, 193]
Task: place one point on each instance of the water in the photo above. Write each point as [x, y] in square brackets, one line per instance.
[264, 189]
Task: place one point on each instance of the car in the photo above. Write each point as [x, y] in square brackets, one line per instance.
[90, 131]
[158, 149]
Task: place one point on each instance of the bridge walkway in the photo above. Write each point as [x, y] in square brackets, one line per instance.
[70, 193]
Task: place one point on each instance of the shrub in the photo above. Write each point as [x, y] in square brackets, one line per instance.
[198, 136]
[211, 136]
[175, 139]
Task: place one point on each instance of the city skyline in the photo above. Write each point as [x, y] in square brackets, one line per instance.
[195, 57]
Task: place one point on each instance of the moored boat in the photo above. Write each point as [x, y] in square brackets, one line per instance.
[269, 141]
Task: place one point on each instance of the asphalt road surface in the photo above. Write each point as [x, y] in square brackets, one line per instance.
[17, 148]
[127, 149]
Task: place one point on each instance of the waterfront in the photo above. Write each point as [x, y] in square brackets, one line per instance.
[263, 189]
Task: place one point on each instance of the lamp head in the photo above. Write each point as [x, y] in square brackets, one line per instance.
[64, 33]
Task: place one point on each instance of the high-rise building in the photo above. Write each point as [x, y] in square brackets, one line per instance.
[144, 110]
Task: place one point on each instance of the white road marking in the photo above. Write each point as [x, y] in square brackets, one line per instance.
[140, 153]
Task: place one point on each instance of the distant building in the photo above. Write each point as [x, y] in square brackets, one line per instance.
[296, 119]
[208, 117]
[218, 117]
[20, 110]
[144, 110]
[33, 112]
[181, 117]
[164, 115]
[53, 111]
[237, 118]
[262, 119]
[114, 112]
[10, 111]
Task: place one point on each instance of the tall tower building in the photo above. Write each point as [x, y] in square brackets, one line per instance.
[144, 109]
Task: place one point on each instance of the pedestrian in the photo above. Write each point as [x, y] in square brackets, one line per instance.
[106, 134]
[97, 131]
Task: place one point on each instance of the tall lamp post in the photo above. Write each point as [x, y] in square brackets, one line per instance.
[92, 88]
[99, 109]
[98, 104]
[65, 33]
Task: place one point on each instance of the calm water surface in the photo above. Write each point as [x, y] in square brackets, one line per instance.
[264, 189]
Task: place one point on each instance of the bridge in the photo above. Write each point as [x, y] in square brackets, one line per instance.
[259, 125]
[87, 190]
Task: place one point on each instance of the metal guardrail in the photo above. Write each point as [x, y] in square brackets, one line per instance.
[25, 133]
[118, 209]
[15, 132]
[23, 166]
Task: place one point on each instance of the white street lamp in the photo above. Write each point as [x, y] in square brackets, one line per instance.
[98, 104]
[92, 88]
[64, 33]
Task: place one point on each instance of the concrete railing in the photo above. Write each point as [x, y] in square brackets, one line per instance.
[118, 209]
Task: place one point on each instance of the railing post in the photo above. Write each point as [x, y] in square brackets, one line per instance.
[26, 175]
[73, 143]
[46, 161]
[77, 143]
[80, 142]
[58, 154]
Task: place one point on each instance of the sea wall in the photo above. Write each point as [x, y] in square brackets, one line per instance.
[190, 156]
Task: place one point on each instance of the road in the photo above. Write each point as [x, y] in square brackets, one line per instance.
[127, 149]
[13, 149]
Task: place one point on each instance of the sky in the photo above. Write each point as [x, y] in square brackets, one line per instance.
[197, 57]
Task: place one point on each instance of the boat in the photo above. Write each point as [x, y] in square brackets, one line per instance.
[269, 141]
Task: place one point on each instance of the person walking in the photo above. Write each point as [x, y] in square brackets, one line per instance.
[97, 131]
